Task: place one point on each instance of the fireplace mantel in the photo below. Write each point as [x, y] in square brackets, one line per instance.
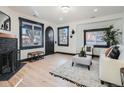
[3, 35]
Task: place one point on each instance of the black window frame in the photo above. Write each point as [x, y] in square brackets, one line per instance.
[20, 33]
[67, 27]
[95, 30]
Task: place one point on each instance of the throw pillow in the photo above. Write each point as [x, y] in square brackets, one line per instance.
[107, 51]
[114, 53]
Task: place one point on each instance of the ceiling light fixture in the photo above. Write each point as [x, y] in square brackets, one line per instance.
[60, 18]
[92, 17]
[65, 9]
[95, 10]
[35, 13]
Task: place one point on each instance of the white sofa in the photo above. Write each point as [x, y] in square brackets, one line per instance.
[109, 69]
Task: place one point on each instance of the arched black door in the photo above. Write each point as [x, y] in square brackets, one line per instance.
[49, 41]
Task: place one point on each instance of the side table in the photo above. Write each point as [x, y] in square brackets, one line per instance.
[122, 75]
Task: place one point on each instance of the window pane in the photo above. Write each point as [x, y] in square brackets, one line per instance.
[37, 35]
[31, 34]
[63, 36]
[27, 35]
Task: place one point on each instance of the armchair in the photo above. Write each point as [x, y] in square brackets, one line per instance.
[109, 70]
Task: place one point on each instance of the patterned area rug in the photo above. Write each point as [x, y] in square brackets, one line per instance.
[79, 74]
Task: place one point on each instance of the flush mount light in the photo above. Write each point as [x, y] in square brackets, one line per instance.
[95, 10]
[60, 18]
[93, 17]
[65, 9]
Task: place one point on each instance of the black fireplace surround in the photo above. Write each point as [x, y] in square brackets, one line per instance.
[8, 55]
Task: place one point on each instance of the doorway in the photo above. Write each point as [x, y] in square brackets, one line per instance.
[49, 41]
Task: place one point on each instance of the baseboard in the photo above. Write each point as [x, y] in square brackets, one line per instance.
[26, 59]
[74, 54]
[95, 55]
[66, 53]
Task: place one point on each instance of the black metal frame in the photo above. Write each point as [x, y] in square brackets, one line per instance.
[6, 21]
[67, 36]
[33, 22]
[95, 30]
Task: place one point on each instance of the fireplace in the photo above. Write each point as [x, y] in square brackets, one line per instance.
[8, 53]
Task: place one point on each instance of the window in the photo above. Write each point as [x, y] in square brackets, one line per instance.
[31, 34]
[95, 37]
[63, 36]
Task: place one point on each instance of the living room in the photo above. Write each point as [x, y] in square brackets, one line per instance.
[46, 44]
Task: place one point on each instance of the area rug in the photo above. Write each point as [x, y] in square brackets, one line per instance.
[79, 74]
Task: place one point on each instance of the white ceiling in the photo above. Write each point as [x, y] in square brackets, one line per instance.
[76, 13]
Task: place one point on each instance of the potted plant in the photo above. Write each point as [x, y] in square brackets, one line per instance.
[111, 36]
[82, 52]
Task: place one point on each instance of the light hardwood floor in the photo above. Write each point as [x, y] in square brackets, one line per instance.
[36, 74]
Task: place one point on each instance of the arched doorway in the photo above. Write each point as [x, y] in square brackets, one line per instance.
[49, 41]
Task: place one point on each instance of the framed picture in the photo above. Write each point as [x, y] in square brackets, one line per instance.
[31, 34]
[63, 36]
[5, 22]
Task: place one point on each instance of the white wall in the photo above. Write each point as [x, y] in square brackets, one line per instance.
[72, 41]
[76, 42]
[15, 27]
[117, 23]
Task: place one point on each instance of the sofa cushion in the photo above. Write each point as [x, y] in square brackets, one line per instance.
[114, 53]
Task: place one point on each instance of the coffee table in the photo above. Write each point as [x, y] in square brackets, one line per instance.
[87, 61]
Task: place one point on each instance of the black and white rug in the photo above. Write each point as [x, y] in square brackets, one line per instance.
[79, 74]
